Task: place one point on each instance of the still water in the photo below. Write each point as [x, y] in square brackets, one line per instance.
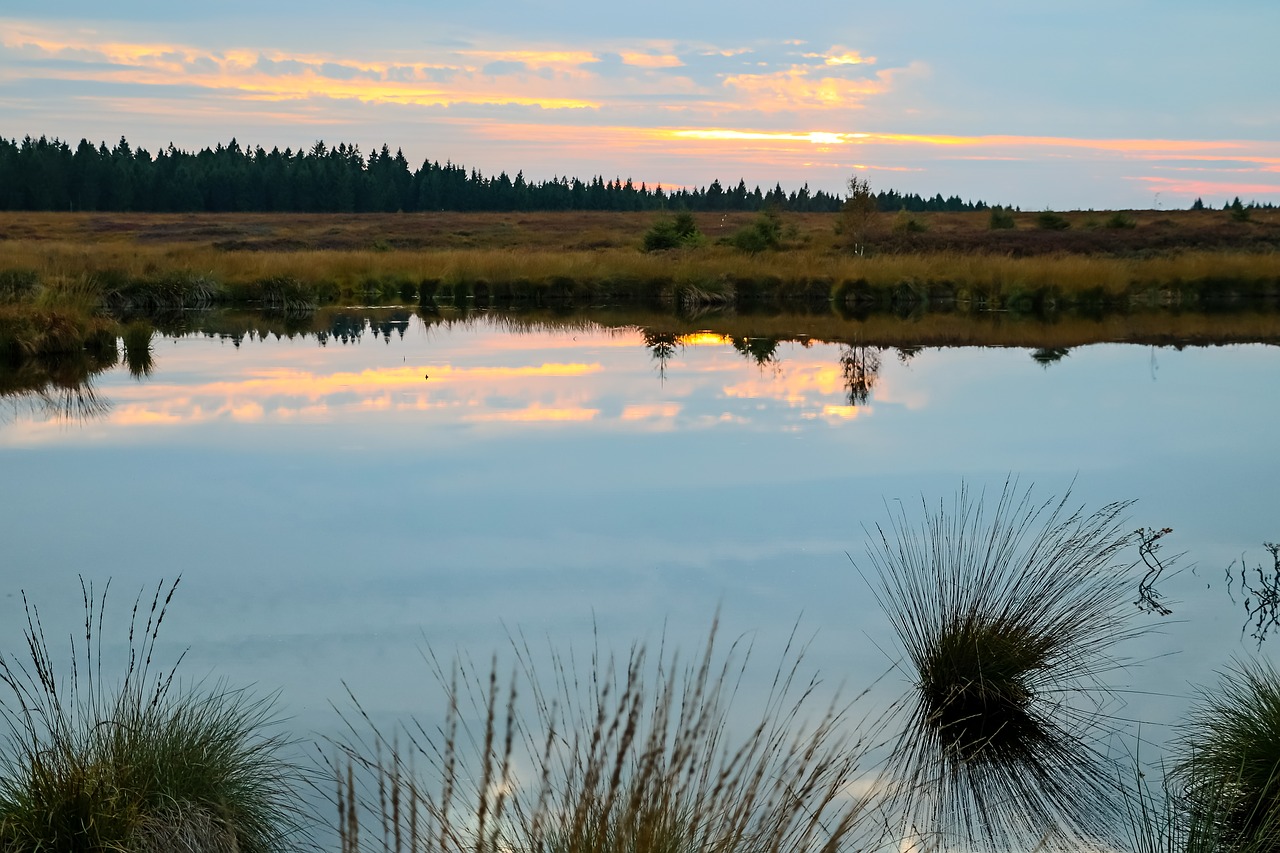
[334, 505]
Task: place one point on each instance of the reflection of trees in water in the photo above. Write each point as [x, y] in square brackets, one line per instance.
[1260, 590]
[348, 328]
[905, 354]
[398, 322]
[662, 346]
[762, 351]
[1046, 356]
[860, 367]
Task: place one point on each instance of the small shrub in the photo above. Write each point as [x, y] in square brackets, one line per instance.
[673, 233]
[1119, 219]
[1239, 213]
[1050, 221]
[761, 235]
[1001, 219]
[906, 223]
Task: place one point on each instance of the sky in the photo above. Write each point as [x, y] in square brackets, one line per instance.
[1135, 104]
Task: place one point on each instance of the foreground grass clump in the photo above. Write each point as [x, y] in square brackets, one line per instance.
[640, 757]
[1009, 618]
[141, 764]
[1228, 773]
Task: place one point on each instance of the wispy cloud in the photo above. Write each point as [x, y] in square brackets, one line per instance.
[551, 77]
[672, 111]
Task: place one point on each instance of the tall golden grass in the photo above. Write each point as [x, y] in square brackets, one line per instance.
[966, 276]
[634, 755]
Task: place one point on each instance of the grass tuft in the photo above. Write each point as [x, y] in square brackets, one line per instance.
[137, 762]
[633, 756]
[1228, 773]
[1009, 617]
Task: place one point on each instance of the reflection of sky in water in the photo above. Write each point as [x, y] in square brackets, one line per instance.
[330, 507]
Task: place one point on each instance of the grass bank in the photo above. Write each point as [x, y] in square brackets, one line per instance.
[136, 259]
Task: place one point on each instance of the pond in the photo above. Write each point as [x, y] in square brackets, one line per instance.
[335, 503]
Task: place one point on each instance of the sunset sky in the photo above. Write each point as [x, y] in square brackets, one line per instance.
[1088, 104]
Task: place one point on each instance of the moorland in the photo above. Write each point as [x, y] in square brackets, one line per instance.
[71, 280]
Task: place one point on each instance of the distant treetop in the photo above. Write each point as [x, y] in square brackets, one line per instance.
[48, 174]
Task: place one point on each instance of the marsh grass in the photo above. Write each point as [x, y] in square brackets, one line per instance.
[138, 355]
[137, 761]
[636, 755]
[1009, 616]
[1227, 768]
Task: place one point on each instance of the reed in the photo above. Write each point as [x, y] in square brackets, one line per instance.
[1009, 617]
[136, 761]
[634, 757]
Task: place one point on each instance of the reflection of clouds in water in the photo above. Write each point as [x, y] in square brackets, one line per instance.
[326, 541]
[490, 379]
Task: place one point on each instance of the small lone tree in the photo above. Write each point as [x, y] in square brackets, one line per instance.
[1239, 213]
[858, 214]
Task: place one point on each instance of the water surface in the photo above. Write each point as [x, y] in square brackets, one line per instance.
[333, 505]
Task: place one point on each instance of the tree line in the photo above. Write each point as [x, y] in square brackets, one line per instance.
[48, 174]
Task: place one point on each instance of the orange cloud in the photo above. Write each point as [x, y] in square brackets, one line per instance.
[795, 88]
[650, 60]
[814, 137]
[1216, 189]
[276, 76]
[556, 60]
[842, 56]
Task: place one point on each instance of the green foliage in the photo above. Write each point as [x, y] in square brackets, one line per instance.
[858, 215]
[1001, 219]
[680, 231]
[905, 223]
[18, 285]
[634, 755]
[1009, 618]
[1119, 219]
[763, 234]
[1229, 761]
[95, 763]
[1045, 356]
[1050, 221]
[1239, 213]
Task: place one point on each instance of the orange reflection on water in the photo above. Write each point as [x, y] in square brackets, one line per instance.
[703, 339]
[490, 378]
[536, 413]
[796, 385]
[651, 412]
